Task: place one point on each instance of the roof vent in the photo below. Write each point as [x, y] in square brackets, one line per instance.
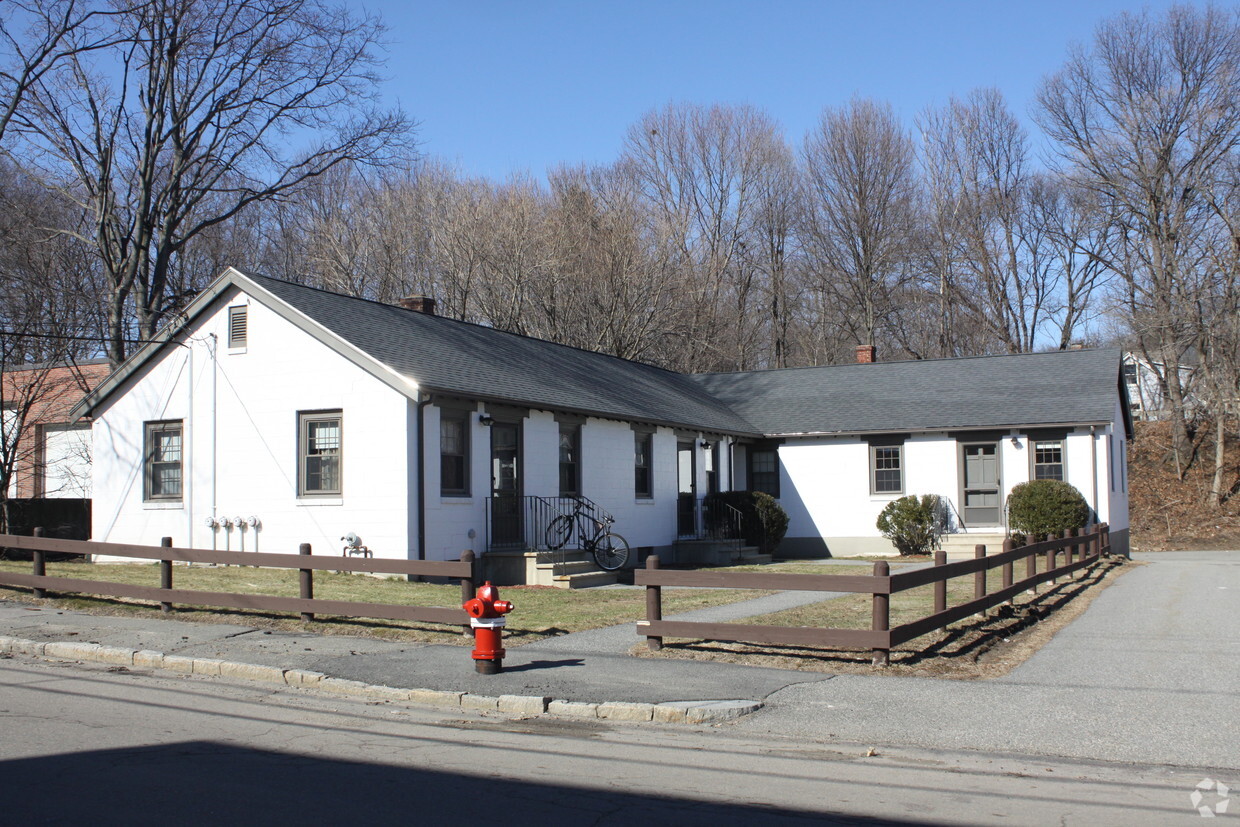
[419, 304]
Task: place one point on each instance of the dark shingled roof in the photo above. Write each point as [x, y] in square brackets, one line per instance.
[1060, 387]
[470, 360]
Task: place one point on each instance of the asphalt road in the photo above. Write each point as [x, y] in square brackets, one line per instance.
[1150, 673]
[85, 744]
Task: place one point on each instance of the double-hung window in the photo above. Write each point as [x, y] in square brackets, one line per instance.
[319, 453]
[643, 483]
[162, 467]
[886, 467]
[570, 459]
[1048, 459]
[764, 470]
[454, 453]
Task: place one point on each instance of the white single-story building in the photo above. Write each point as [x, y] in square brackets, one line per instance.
[275, 414]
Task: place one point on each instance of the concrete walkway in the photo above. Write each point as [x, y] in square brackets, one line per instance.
[1150, 673]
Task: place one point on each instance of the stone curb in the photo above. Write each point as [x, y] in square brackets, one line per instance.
[672, 712]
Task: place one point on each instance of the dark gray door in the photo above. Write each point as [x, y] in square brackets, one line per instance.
[506, 512]
[686, 479]
[981, 495]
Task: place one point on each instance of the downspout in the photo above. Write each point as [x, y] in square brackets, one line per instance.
[187, 474]
[421, 417]
[1093, 452]
[215, 371]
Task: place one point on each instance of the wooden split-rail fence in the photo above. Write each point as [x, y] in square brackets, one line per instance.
[304, 562]
[1059, 557]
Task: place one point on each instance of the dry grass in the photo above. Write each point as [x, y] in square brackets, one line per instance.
[541, 611]
[806, 567]
[983, 646]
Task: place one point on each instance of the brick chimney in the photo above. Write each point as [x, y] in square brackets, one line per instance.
[866, 354]
[418, 304]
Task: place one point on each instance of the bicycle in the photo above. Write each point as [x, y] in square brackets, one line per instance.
[610, 550]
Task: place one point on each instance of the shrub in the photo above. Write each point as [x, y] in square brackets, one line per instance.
[1040, 508]
[909, 523]
[763, 521]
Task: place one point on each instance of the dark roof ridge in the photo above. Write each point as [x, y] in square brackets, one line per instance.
[452, 320]
[902, 361]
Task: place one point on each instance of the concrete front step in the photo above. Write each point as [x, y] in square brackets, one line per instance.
[584, 579]
[567, 570]
[961, 546]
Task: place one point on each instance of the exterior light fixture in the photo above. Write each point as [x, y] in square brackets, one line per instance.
[486, 420]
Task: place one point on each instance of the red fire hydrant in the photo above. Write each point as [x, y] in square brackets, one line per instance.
[486, 616]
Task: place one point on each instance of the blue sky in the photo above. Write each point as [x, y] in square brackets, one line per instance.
[506, 87]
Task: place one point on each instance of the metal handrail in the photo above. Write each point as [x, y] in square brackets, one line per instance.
[521, 523]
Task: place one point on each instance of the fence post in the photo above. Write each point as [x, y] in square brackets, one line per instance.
[306, 576]
[1105, 538]
[1075, 551]
[467, 586]
[882, 617]
[654, 604]
[940, 586]
[165, 575]
[1050, 557]
[1031, 567]
[38, 564]
[1008, 545]
[979, 577]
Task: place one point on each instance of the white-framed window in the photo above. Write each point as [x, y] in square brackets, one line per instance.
[886, 469]
[162, 466]
[319, 453]
[454, 453]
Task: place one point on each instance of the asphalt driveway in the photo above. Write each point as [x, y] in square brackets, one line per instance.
[1149, 673]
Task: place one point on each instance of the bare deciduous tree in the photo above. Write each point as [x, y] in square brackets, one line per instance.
[860, 200]
[1143, 119]
[197, 110]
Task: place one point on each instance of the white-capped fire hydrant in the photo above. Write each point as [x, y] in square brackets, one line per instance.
[486, 616]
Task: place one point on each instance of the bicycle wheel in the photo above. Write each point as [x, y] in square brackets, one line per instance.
[559, 531]
[611, 552]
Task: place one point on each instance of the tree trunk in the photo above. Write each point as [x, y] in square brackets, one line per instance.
[1220, 434]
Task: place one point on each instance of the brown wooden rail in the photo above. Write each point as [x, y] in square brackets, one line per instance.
[1060, 557]
[304, 563]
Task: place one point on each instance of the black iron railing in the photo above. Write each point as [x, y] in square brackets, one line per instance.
[709, 519]
[521, 523]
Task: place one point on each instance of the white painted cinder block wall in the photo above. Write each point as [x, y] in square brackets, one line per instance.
[824, 482]
[256, 394]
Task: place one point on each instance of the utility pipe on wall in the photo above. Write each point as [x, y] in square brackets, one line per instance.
[1093, 452]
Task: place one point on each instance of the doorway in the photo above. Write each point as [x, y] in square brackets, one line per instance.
[981, 498]
[686, 481]
[506, 513]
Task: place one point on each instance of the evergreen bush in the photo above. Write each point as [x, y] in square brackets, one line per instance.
[763, 521]
[1040, 508]
[909, 523]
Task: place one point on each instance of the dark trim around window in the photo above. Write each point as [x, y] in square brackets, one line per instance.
[163, 464]
[886, 467]
[454, 446]
[320, 453]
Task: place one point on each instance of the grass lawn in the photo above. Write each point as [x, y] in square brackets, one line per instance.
[806, 567]
[540, 612]
[855, 611]
[980, 646]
